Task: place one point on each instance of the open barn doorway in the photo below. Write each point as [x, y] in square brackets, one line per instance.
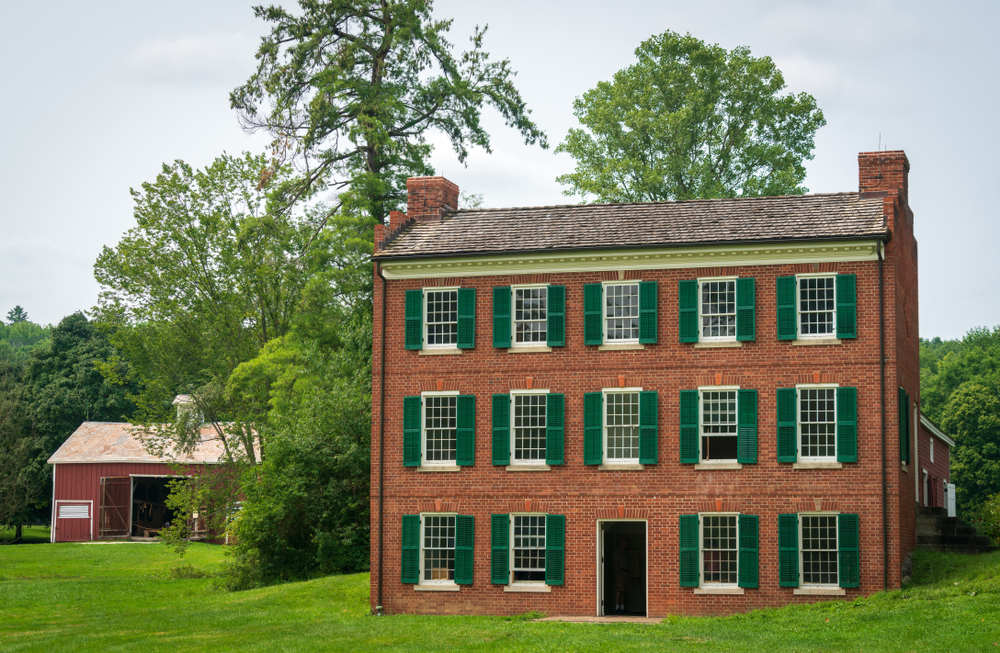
[149, 508]
[622, 544]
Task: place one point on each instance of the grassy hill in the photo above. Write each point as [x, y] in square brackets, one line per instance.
[108, 597]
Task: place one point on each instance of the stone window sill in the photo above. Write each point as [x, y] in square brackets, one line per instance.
[436, 588]
[621, 467]
[439, 468]
[539, 589]
[818, 465]
[903, 468]
[720, 344]
[718, 466]
[444, 351]
[538, 349]
[629, 346]
[528, 468]
[807, 342]
[820, 591]
[739, 591]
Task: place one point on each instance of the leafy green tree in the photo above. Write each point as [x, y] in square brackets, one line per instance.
[350, 88]
[22, 464]
[16, 315]
[19, 339]
[690, 120]
[947, 365]
[972, 418]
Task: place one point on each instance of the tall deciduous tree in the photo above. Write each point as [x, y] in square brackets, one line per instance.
[352, 87]
[22, 463]
[972, 417]
[690, 120]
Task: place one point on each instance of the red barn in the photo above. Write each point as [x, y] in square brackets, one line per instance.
[107, 486]
[696, 407]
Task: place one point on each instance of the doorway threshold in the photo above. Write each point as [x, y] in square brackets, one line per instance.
[610, 619]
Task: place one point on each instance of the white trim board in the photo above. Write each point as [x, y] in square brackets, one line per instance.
[938, 433]
[638, 259]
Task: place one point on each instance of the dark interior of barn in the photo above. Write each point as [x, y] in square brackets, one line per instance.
[149, 509]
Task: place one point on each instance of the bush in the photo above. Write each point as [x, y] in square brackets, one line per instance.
[988, 518]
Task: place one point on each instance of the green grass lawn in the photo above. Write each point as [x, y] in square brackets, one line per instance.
[29, 535]
[118, 597]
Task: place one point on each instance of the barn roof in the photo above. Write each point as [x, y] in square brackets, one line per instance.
[117, 442]
[831, 216]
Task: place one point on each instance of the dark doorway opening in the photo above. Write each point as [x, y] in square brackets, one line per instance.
[626, 542]
[149, 509]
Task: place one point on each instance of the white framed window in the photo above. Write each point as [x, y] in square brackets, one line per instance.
[529, 317]
[437, 549]
[718, 423]
[528, 427]
[527, 548]
[717, 309]
[441, 317]
[621, 312]
[439, 428]
[816, 304]
[718, 544]
[931, 448]
[816, 411]
[818, 550]
[621, 425]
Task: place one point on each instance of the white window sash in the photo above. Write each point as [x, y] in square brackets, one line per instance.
[513, 316]
[510, 548]
[798, 421]
[701, 550]
[423, 562]
[802, 570]
[799, 311]
[701, 306]
[424, 462]
[426, 323]
[513, 449]
[701, 418]
[604, 312]
[604, 424]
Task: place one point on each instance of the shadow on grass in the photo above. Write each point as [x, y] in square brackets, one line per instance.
[29, 535]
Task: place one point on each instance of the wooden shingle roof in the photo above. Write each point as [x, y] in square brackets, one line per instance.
[830, 216]
[107, 442]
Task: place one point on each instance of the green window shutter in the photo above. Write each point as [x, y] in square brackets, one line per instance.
[414, 319]
[555, 549]
[746, 434]
[647, 427]
[909, 429]
[689, 551]
[556, 316]
[465, 534]
[501, 429]
[466, 318]
[847, 549]
[500, 549]
[410, 563]
[788, 442]
[847, 425]
[689, 426]
[788, 550]
[749, 526]
[787, 327]
[411, 431]
[904, 422]
[554, 428]
[847, 306]
[465, 434]
[687, 313]
[593, 413]
[501, 316]
[746, 310]
[647, 312]
[593, 295]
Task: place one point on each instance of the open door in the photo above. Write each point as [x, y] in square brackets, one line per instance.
[622, 545]
[116, 497]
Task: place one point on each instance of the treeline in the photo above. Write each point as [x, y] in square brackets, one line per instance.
[960, 391]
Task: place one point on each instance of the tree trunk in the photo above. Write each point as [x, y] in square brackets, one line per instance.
[17, 534]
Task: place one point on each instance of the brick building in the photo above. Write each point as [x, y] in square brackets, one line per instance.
[695, 407]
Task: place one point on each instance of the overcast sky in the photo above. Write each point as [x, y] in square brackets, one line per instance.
[97, 95]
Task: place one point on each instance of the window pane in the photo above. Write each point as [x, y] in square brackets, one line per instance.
[718, 425]
[816, 305]
[529, 548]
[817, 422]
[621, 312]
[440, 425]
[719, 548]
[530, 314]
[442, 317]
[529, 427]
[439, 547]
[819, 550]
[718, 309]
[621, 419]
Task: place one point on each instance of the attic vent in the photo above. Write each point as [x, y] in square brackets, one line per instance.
[74, 512]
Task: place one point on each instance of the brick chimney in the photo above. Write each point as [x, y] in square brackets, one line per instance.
[884, 171]
[428, 198]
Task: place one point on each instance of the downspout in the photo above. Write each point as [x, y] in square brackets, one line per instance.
[381, 442]
[881, 360]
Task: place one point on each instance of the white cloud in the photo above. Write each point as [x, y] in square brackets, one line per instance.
[193, 59]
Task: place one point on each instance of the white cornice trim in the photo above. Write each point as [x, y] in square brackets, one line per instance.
[930, 426]
[633, 259]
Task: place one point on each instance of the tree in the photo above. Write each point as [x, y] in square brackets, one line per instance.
[16, 315]
[19, 339]
[352, 87]
[690, 121]
[972, 417]
[22, 465]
